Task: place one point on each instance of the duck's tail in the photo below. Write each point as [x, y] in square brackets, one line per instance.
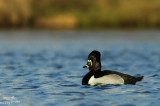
[139, 78]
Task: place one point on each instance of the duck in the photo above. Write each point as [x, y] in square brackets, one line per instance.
[97, 77]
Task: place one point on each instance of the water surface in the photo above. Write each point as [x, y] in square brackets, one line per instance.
[40, 68]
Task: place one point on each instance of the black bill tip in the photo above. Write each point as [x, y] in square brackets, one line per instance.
[86, 66]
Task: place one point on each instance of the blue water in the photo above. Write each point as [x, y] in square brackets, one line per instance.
[40, 68]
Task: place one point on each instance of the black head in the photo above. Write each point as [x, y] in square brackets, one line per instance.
[93, 62]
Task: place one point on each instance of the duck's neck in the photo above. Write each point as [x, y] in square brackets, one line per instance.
[94, 71]
[96, 67]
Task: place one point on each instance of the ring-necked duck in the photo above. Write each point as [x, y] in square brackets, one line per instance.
[97, 77]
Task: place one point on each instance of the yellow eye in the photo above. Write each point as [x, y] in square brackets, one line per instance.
[94, 58]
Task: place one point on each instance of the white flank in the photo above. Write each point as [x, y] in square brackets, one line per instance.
[107, 79]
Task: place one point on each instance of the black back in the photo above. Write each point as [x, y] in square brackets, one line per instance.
[128, 79]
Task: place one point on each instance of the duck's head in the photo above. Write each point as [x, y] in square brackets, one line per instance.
[93, 62]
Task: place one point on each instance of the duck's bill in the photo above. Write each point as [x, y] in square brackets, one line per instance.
[86, 66]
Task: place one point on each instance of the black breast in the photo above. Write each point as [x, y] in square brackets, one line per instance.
[86, 78]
